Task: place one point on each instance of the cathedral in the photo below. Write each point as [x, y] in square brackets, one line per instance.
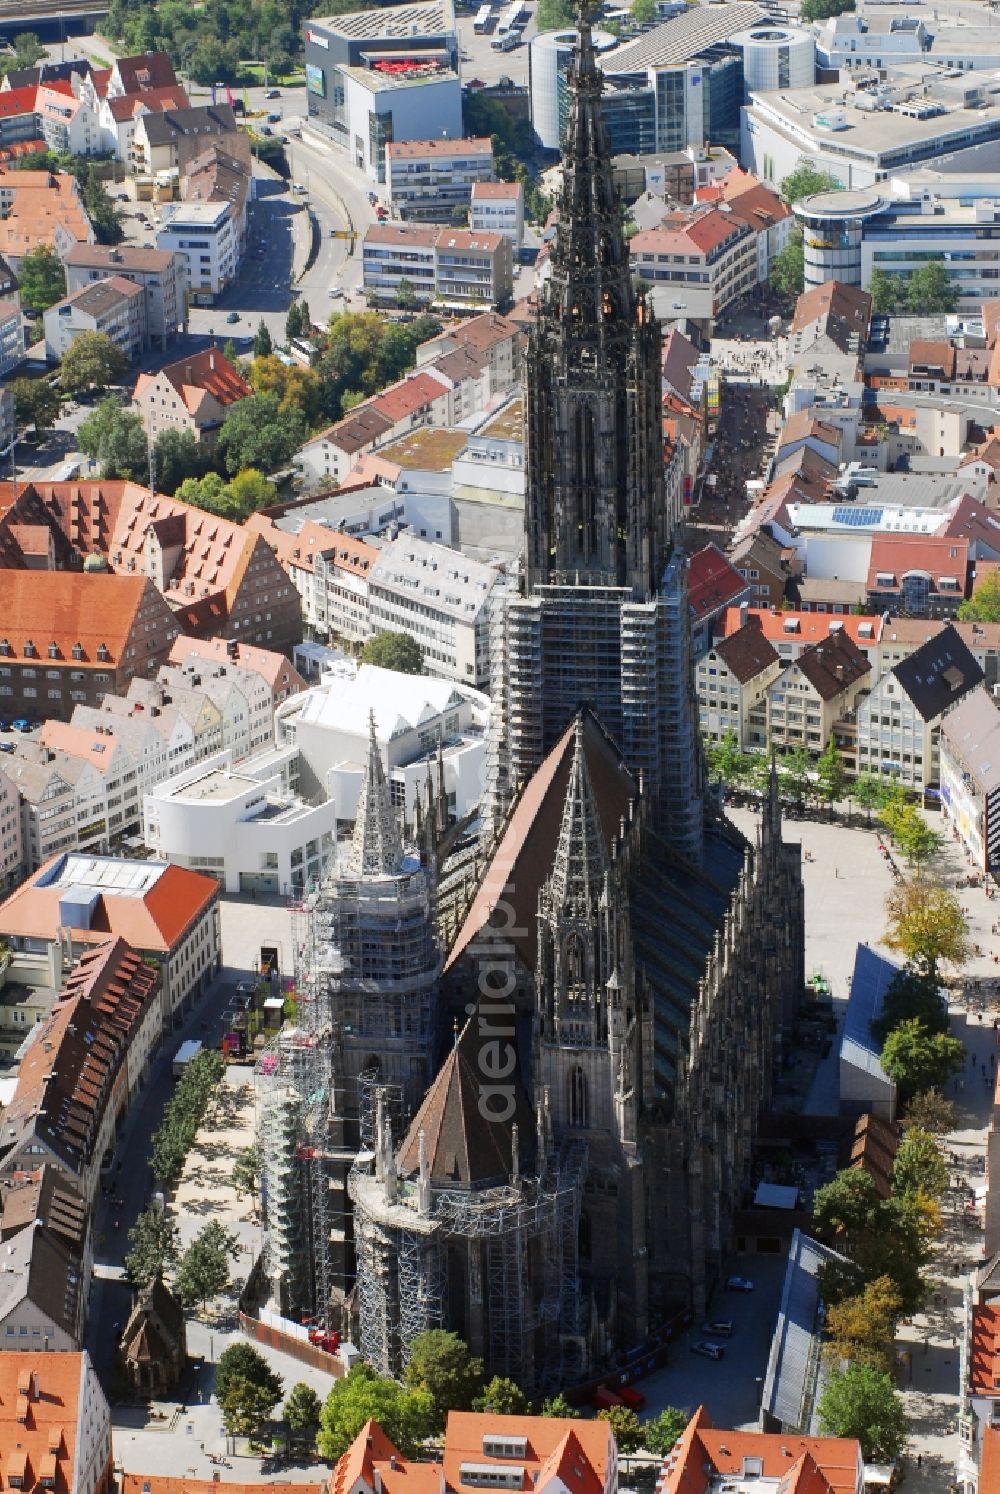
[614, 965]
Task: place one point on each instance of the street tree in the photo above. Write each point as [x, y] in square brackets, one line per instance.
[406, 296]
[36, 403]
[27, 49]
[177, 457]
[846, 1210]
[92, 361]
[41, 277]
[931, 289]
[861, 1402]
[660, 1432]
[862, 1329]
[916, 1059]
[806, 181]
[554, 15]
[558, 1405]
[441, 1364]
[501, 1397]
[301, 1412]
[293, 321]
[920, 1166]
[625, 1425]
[886, 292]
[257, 433]
[241, 1361]
[248, 491]
[831, 775]
[124, 452]
[927, 926]
[796, 769]
[822, 10]
[155, 1247]
[867, 792]
[101, 210]
[931, 1111]
[984, 603]
[727, 763]
[787, 275]
[394, 651]
[911, 994]
[245, 1406]
[246, 1172]
[203, 1270]
[406, 1416]
[644, 12]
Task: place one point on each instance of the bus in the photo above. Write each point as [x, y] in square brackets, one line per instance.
[484, 17]
[511, 18]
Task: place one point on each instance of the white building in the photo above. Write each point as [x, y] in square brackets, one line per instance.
[383, 106]
[247, 826]
[439, 598]
[970, 776]
[11, 837]
[430, 179]
[116, 307]
[868, 41]
[777, 56]
[414, 718]
[498, 207]
[451, 268]
[207, 236]
[160, 274]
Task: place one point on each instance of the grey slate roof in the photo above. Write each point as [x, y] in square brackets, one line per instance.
[938, 674]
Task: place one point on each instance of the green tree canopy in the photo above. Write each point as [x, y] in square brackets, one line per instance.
[787, 274]
[394, 651]
[35, 403]
[911, 994]
[27, 49]
[116, 438]
[660, 1432]
[101, 210]
[984, 603]
[868, 792]
[926, 924]
[806, 181]
[203, 1270]
[441, 1364]
[917, 1059]
[554, 15]
[241, 1361]
[625, 1425]
[558, 1405]
[92, 361]
[727, 763]
[246, 1171]
[822, 10]
[42, 278]
[178, 456]
[245, 1406]
[931, 1111]
[405, 1415]
[262, 344]
[861, 1402]
[502, 1398]
[920, 1166]
[831, 775]
[862, 1329]
[257, 433]
[154, 1247]
[931, 289]
[886, 292]
[644, 12]
[302, 1410]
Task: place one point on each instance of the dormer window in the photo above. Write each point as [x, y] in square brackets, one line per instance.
[78, 651]
[30, 651]
[5, 648]
[53, 650]
[103, 653]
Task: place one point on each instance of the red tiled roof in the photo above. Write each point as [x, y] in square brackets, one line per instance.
[67, 608]
[898, 554]
[984, 1353]
[989, 1464]
[806, 1465]
[804, 627]
[54, 1382]
[405, 398]
[712, 582]
[207, 372]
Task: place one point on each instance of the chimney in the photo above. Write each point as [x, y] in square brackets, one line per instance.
[744, 614]
[211, 359]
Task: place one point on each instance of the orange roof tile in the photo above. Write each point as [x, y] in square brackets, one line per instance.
[56, 1380]
[808, 1465]
[154, 1483]
[67, 608]
[804, 627]
[984, 1353]
[545, 1437]
[272, 666]
[989, 1464]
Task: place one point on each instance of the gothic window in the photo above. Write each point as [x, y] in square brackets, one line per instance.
[575, 966]
[579, 1107]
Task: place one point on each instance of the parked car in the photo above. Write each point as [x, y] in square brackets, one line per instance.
[233, 316]
[274, 118]
[7, 747]
[266, 130]
[739, 1284]
[4, 725]
[21, 725]
[634, 1399]
[708, 1350]
[718, 1328]
[273, 93]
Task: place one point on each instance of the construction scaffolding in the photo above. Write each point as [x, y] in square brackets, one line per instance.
[508, 1240]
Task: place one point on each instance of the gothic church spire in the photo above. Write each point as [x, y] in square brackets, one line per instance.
[375, 849]
[581, 860]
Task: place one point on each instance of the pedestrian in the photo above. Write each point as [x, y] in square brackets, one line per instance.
[920, 1460]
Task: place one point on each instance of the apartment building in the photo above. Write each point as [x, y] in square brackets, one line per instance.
[330, 572]
[209, 239]
[451, 268]
[498, 207]
[40, 207]
[422, 398]
[118, 115]
[63, 803]
[969, 747]
[68, 124]
[714, 585]
[160, 137]
[278, 679]
[166, 913]
[159, 272]
[11, 835]
[714, 1458]
[115, 307]
[195, 394]
[818, 691]
[45, 1231]
[923, 576]
[54, 1417]
[70, 638]
[439, 598]
[699, 265]
[431, 180]
[731, 682]
[899, 722]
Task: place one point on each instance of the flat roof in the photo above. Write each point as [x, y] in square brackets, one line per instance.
[430, 448]
[430, 19]
[377, 82]
[219, 785]
[198, 214]
[868, 131]
[507, 424]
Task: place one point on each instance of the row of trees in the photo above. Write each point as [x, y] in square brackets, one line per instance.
[199, 1273]
[183, 1115]
[803, 776]
[926, 289]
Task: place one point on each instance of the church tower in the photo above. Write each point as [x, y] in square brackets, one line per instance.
[602, 617]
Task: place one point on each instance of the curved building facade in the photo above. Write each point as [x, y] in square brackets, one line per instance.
[832, 229]
[549, 57]
[777, 56]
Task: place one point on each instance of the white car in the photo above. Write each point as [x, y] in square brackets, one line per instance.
[708, 1350]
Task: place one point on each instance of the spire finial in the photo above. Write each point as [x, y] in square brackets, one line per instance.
[375, 849]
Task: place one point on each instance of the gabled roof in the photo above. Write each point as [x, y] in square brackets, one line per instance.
[897, 555]
[802, 425]
[805, 1465]
[984, 1355]
[53, 1384]
[67, 608]
[807, 627]
[713, 582]
[144, 70]
[937, 675]
[833, 665]
[466, 1146]
[544, 1437]
[746, 653]
[934, 357]
[839, 312]
[526, 852]
[208, 372]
